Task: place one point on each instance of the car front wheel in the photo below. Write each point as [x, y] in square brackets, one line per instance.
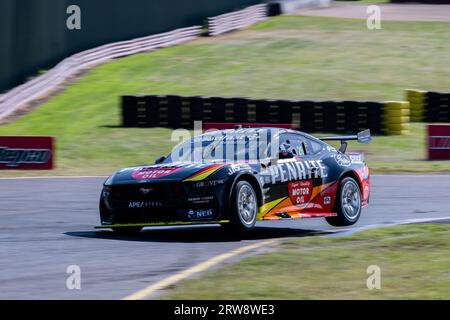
[244, 207]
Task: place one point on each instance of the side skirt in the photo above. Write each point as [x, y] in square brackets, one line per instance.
[161, 224]
[298, 215]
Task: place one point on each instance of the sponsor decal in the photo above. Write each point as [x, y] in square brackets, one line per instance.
[327, 200]
[145, 190]
[144, 204]
[365, 174]
[237, 167]
[199, 213]
[13, 157]
[366, 190]
[35, 153]
[201, 199]
[209, 183]
[147, 173]
[438, 142]
[342, 159]
[204, 173]
[300, 191]
[356, 158]
[294, 170]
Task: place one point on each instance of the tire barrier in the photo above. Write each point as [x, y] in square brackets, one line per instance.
[416, 100]
[429, 106]
[437, 107]
[397, 117]
[310, 116]
[236, 20]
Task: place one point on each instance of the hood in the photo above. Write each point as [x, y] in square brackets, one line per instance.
[165, 172]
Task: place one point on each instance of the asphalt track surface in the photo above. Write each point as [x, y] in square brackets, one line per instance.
[47, 225]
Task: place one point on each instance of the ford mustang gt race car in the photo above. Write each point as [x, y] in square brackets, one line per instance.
[238, 176]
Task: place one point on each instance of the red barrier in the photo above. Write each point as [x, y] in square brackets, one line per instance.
[26, 153]
[439, 142]
[222, 126]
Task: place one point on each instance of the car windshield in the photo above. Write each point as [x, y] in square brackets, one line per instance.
[224, 146]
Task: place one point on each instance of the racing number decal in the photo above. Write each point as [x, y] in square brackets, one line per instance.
[300, 191]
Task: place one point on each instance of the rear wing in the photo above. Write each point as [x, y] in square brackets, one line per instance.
[361, 137]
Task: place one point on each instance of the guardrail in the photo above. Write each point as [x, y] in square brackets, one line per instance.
[50, 81]
[236, 20]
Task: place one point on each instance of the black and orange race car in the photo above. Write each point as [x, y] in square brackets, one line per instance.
[238, 176]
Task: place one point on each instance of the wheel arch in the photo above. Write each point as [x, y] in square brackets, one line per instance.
[355, 176]
[253, 182]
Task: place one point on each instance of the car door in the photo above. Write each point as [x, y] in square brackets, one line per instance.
[282, 179]
[298, 160]
[290, 184]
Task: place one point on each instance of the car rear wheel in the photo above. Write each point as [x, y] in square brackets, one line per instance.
[348, 204]
[244, 207]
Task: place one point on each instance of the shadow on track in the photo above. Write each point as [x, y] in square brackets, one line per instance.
[197, 234]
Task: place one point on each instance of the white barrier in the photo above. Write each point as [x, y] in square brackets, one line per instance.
[50, 81]
[237, 20]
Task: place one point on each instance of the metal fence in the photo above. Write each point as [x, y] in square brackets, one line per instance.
[236, 20]
[50, 81]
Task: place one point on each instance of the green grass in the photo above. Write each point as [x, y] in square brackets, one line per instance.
[287, 57]
[414, 262]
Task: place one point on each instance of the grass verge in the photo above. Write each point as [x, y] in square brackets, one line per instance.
[287, 57]
[414, 263]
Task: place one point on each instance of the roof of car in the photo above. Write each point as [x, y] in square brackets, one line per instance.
[259, 130]
[250, 130]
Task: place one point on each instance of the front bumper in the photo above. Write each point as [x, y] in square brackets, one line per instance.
[154, 203]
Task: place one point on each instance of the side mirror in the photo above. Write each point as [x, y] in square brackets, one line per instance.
[160, 160]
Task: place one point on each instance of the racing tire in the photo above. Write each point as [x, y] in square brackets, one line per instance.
[127, 231]
[244, 208]
[348, 204]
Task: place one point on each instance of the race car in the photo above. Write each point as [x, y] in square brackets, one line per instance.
[238, 176]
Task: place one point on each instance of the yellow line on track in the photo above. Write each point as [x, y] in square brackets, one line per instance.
[148, 291]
